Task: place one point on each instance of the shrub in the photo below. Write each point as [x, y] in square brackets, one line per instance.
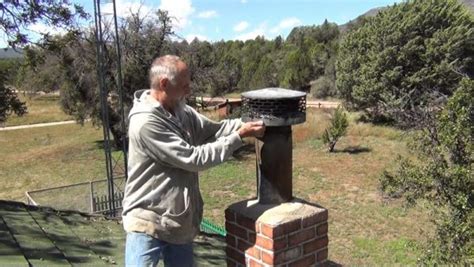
[337, 128]
[323, 87]
[443, 176]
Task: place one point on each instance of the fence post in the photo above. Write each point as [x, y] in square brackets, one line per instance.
[92, 197]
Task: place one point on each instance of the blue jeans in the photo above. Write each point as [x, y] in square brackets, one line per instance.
[144, 250]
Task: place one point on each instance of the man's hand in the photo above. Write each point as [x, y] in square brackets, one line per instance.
[252, 128]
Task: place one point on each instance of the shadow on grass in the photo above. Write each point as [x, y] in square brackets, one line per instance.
[353, 150]
[43, 236]
[209, 250]
[99, 144]
[330, 263]
[243, 152]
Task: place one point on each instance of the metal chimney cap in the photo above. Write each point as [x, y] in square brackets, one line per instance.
[273, 93]
[275, 106]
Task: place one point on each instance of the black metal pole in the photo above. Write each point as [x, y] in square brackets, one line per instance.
[100, 46]
[120, 89]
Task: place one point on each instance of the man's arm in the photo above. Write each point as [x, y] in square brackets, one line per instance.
[209, 130]
[165, 146]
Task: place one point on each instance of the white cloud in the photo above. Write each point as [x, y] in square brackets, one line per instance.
[243, 1]
[286, 24]
[241, 26]
[192, 36]
[207, 14]
[259, 31]
[125, 8]
[3, 40]
[179, 10]
[43, 29]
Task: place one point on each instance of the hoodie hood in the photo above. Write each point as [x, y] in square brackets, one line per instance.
[143, 102]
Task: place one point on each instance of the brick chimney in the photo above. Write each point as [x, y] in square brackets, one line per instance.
[289, 234]
[275, 229]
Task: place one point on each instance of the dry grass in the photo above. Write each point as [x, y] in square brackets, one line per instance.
[41, 109]
[364, 229]
[49, 156]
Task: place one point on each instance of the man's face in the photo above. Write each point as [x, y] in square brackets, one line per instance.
[182, 85]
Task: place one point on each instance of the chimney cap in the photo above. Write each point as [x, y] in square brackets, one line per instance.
[273, 93]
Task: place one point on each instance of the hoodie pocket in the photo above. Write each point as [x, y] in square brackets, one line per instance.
[181, 219]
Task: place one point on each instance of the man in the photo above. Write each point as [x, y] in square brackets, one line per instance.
[169, 143]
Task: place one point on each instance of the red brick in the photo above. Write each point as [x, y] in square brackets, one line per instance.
[271, 244]
[304, 262]
[270, 231]
[229, 215]
[235, 255]
[242, 245]
[231, 263]
[253, 263]
[300, 237]
[268, 258]
[316, 244]
[322, 255]
[291, 226]
[315, 218]
[254, 252]
[236, 230]
[252, 238]
[322, 229]
[279, 230]
[230, 240]
[287, 255]
[245, 222]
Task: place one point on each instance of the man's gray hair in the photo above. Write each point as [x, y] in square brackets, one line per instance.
[163, 67]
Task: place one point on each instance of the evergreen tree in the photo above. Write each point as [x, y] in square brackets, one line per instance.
[297, 70]
[405, 56]
[9, 102]
[443, 176]
[337, 128]
[16, 16]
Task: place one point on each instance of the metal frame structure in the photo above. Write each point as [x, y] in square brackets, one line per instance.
[111, 162]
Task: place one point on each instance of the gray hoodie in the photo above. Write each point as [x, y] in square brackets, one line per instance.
[162, 196]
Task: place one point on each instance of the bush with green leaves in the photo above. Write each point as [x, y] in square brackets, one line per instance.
[323, 87]
[9, 102]
[443, 176]
[407, 56]
[337, 128]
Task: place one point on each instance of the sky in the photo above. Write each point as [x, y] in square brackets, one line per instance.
[215, 20]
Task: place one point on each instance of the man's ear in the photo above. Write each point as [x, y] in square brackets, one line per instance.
[164, 83]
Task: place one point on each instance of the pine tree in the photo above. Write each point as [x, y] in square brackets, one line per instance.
[337, 128]
[443, 176]
[405, 57]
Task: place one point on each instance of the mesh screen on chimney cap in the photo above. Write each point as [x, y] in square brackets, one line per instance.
[275, 106]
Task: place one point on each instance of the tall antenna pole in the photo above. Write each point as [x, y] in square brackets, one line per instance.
[120, 89]
[100, 46]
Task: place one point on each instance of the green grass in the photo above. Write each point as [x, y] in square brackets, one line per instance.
[44, 108]
[364, 229]
[398, 251]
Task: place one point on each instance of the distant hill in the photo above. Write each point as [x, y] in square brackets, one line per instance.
[10, 53]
